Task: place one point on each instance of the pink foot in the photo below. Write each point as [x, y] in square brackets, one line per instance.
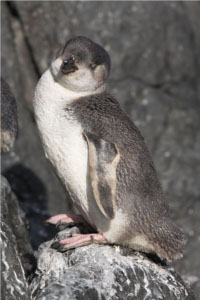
[78, 240]
[66, 219]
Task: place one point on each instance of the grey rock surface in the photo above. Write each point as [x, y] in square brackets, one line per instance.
[154, 48]
[9, 123]
[16, 249]
[103, 272]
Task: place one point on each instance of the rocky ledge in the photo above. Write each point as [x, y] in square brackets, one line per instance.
[103, 272]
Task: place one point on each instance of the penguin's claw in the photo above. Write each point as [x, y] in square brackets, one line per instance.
[69, 219]
[78, 240]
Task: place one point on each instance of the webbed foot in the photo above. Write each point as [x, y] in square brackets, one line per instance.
[78, 240]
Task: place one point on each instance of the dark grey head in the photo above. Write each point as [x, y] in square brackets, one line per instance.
[81, 65]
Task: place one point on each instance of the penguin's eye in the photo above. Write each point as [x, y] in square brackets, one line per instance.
[93, 65]
[69, 60]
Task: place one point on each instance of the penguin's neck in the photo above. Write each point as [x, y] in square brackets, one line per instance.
[51, 95]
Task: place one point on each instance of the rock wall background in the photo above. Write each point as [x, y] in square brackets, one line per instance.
[154, 47]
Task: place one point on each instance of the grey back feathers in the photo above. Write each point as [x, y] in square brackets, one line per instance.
[9, 124]
[102, 115]
[138, 193]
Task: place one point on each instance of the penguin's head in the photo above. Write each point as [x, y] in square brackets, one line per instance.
[81, 66]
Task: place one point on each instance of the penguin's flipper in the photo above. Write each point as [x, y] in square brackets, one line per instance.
[103, 159]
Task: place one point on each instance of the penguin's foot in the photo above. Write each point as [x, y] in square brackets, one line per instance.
[63, 221]
[78, 240]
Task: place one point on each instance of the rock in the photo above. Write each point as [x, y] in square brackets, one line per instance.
[9, 123]
[103, 272]
[155, 49]
[16, 250]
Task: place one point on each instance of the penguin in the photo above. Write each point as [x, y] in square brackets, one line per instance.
[100, 156]
[9, 118]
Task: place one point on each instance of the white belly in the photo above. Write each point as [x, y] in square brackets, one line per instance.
[67, 151]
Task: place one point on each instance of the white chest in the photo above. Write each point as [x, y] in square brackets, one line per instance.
[62, 137]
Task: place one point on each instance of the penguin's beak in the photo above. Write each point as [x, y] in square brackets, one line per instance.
[68, 66]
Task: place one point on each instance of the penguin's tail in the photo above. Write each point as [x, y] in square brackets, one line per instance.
[168, 240]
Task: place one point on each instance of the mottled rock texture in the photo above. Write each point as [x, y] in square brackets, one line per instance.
[16, 250]
[9, 124]
[155, 49]
[103, 272]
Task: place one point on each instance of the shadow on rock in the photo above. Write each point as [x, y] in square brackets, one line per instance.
[33, 200]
